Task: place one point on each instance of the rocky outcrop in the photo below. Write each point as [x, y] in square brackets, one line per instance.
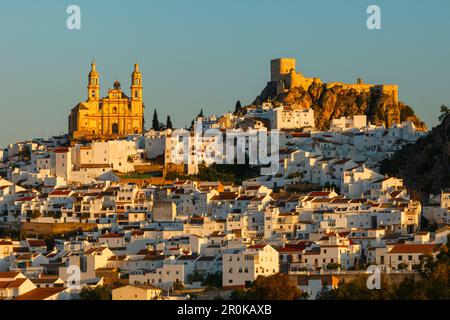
[425, 165]
[335, 102]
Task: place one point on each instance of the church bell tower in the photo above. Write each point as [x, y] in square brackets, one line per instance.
[136, 84]
[93, 84]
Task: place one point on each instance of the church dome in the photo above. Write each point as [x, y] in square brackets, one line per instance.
[117, 85]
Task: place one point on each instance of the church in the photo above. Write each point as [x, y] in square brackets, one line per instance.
[110, 117]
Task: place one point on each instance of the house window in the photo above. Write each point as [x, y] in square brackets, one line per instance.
[400, 258]
[410, 258]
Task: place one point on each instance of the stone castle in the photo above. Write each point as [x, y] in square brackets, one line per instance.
[113, 116]
[285, 77]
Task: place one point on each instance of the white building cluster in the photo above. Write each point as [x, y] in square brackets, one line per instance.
[141, 238]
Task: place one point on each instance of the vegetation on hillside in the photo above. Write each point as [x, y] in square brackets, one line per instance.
[425, 165]
[235, 173]
[97, 293]
[433, 283]
[275, 287]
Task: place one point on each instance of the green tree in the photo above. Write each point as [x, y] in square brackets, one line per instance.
[445, 110]
[97, 293]
[402, 266]
[325, 294]
[358, 290]
[426, 266]
[238, 294]
[178, 285]
[333, 266]
[213, 280]
[275, 287]
[169, 123]
[195, 277]
[155, 121]
[409, 289]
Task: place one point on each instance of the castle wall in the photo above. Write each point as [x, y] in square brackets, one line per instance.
[284, 74]
[279, 68]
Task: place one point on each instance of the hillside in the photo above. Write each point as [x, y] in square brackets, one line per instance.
[329, 103]
[425, 165]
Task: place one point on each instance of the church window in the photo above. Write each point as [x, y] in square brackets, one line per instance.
[136, 94]
[93, 93]
[114, 110]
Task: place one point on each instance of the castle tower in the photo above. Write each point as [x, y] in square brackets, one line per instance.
[93, 84]
[136, 84]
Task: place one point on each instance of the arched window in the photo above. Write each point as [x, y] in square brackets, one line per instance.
[115, 110]
[115, 129]
[93, 93]
[136, 94]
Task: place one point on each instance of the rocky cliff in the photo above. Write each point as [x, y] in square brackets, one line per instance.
[329, 103]
[425, 165]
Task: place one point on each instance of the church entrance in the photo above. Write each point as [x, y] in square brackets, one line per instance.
[115, 129]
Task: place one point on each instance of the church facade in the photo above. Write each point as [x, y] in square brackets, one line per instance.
[113, 116]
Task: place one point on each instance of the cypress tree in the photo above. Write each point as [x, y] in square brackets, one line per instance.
[155, 122]
[169, 123]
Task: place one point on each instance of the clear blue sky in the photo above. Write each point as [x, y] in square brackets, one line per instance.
[208, 53]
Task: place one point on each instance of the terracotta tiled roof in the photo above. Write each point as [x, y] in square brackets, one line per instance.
[319, 194]
[415, 248]
[225, 196]
[60, 193]
[36, 243]
[257, 246]
[8, 275]
[61, 150]
[12, 284]
[112, 235]
[40, 293]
